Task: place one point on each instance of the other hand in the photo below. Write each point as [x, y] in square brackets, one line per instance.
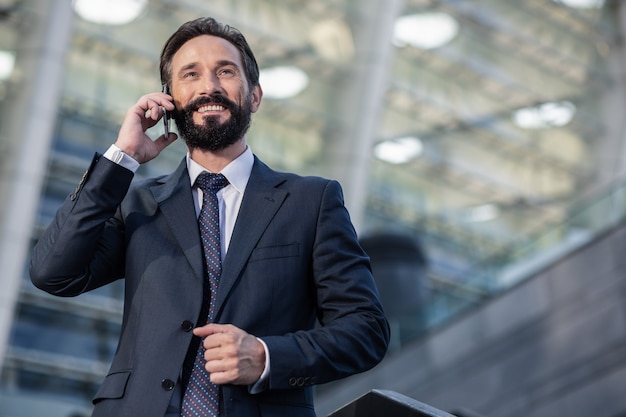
[232, 355]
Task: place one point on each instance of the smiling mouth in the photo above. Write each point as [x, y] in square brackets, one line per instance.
[210, 107]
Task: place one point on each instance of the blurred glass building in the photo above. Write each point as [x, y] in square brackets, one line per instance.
[489, 133]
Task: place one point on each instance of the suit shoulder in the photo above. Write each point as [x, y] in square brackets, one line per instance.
[310, 183]
[148, 182]
[306, 179]
[161, 179]
[290, 179]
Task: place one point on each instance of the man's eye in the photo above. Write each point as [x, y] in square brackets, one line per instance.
[227, 72]
[189, 74]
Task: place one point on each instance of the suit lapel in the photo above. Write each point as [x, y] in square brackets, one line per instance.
[175, 200]
[260, 203]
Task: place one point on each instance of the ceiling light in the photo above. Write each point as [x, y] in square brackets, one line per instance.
[425, 30]
[553, 114]
[583, 4]
[283, 82]
[399, 150]
[109, 12]
[484, 213]
[332, 40]
[7, 62]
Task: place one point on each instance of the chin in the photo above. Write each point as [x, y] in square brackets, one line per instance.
[209, 120]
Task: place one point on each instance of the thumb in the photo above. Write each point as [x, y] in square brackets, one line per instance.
[163, 142]
[209, 329]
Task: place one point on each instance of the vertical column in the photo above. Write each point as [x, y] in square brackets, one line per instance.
[45, 34]
[609, 150]
[361, 105]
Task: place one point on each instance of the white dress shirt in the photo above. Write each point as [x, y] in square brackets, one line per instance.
[229, 198]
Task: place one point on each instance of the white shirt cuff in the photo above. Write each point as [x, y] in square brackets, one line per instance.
[260, 385]
[116, 155]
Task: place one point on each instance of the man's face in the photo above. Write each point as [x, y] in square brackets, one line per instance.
[211, 94]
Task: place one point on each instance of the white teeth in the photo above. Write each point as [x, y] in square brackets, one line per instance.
[213, 107]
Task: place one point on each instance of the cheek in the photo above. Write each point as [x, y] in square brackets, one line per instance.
[234, 89]
[181, 95]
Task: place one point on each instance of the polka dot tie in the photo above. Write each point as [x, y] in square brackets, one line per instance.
[201, 395]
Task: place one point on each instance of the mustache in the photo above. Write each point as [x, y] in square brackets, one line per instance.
[215, 98]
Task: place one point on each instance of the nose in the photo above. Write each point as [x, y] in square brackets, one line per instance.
[212, 84]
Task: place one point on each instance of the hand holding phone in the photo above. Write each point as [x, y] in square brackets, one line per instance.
[133, 138]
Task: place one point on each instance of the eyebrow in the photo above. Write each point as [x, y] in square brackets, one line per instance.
[226, 62]
[222, 63]
[187, 67]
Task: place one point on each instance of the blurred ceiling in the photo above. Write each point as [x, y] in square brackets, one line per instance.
[479, 185]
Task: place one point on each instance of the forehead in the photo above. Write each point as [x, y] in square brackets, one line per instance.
[206, 48]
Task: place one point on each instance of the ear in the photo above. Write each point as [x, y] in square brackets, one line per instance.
[257, 95]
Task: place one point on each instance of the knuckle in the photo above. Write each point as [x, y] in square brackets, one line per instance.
[234, 374]
[231, 351]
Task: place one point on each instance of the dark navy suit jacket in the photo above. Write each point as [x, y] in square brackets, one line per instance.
[294, 275]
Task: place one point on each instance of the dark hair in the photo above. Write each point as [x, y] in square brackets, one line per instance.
[208, 26]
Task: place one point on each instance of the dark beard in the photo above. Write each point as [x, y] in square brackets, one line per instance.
[213, 136]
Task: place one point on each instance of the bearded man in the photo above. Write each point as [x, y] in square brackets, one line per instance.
[244, 287]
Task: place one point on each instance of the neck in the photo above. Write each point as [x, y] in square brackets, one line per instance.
[215, 161]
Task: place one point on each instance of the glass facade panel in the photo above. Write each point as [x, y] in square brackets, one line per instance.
[65, 333]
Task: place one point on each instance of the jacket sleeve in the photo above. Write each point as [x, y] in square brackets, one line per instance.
[353, 333]
[83, 247]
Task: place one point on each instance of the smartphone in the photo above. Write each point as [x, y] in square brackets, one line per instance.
[166, 115]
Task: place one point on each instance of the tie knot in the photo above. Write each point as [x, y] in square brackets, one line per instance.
[211, 182]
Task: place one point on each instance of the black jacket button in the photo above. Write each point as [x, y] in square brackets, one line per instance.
[187, 326]
[167, 384]
[293, 381]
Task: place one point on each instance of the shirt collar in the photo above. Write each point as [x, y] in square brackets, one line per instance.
[237, 172]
